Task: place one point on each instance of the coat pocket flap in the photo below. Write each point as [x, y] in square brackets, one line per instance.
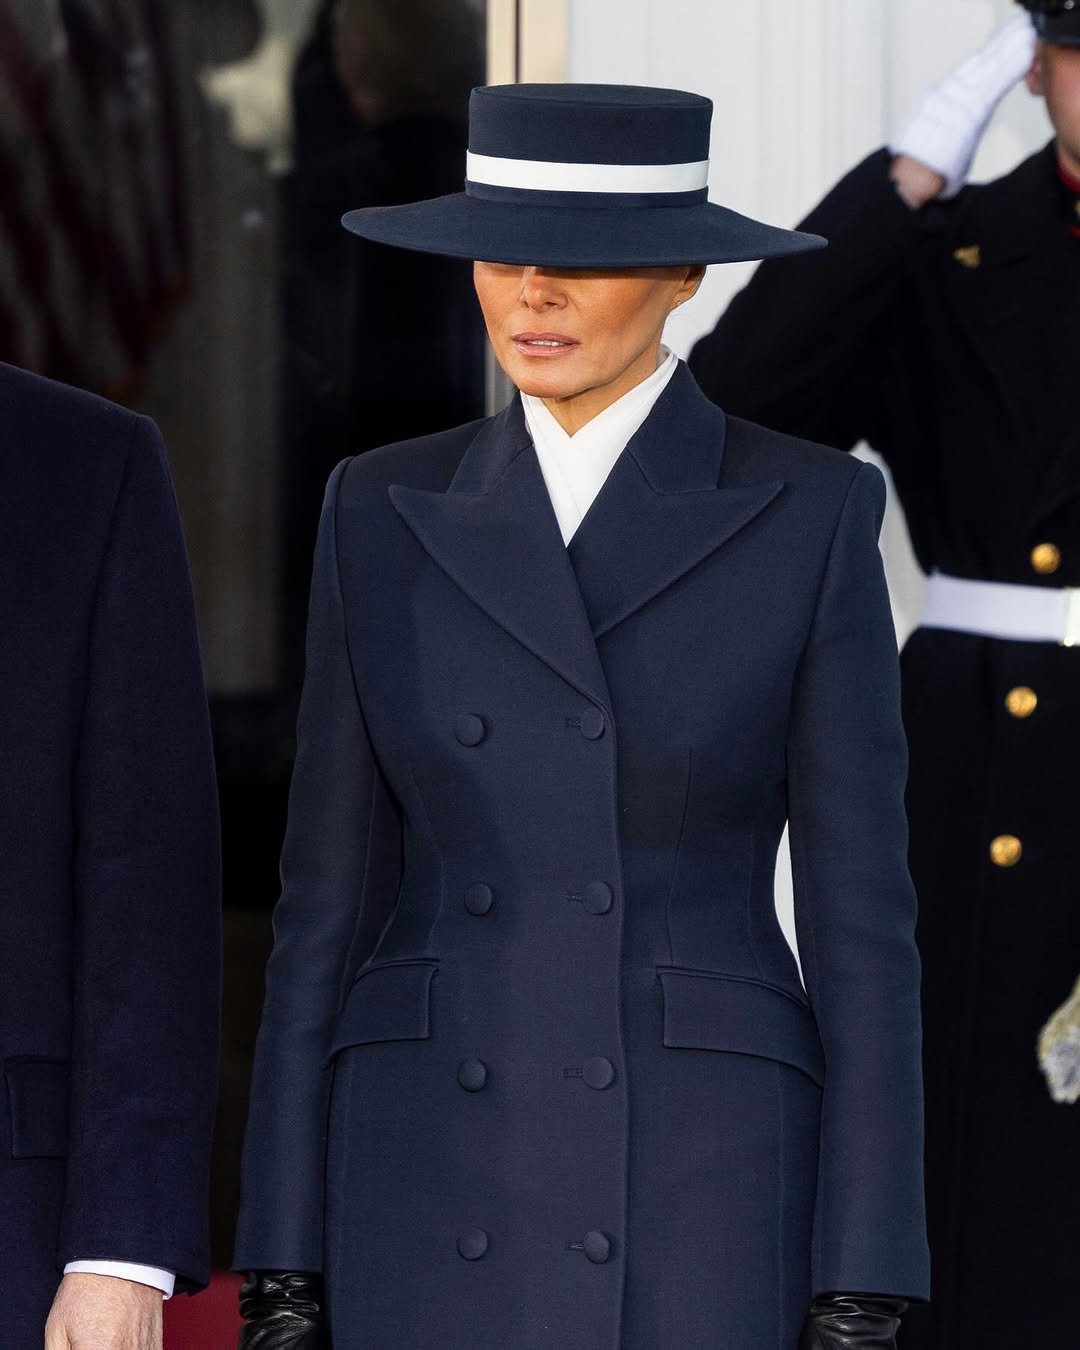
[705, 1011]
[37, 1090]
[390, 1002]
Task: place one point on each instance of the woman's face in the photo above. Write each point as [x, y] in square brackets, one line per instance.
[579, 339]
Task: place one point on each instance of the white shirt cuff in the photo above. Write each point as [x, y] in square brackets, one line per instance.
[153, 1276]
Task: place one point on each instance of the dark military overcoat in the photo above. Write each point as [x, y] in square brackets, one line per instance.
[950, 339]
[536, 1067]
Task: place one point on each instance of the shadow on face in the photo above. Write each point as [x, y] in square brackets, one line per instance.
[586, 336]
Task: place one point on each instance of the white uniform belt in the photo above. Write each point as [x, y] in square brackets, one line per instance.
[999, 609]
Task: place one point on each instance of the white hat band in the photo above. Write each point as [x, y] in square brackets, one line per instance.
[538, 175]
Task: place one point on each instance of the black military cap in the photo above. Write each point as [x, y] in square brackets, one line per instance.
[1056, 21]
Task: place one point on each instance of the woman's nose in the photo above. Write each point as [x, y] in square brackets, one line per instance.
[541, 290]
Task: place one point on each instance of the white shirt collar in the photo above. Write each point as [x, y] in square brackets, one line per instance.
[576, 467]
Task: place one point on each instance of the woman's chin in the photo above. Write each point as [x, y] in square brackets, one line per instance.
[544, 383]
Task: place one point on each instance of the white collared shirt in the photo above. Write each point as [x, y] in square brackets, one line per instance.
[576, 467]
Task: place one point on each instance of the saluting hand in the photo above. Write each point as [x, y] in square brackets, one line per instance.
[944, 132]
[102, 1312]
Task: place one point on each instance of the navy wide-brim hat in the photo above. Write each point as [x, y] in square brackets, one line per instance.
[584, 176]
[1056, 21]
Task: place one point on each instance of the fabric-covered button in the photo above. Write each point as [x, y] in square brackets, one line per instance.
[597, 1247]
[469, 728]
[592, 724]
[473, 1244]
[1021, 701]
[472, 1074]
[1006, 850]
[599, 1073]
[479, 898]
[598, 897]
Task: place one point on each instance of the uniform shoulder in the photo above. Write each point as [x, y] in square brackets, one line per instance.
[1041, 165]
[1005, 205]
[424, 462]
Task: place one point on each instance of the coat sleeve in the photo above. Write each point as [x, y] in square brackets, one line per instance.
[803, 348]
[855, 915]
[146, 956]
[342, 845]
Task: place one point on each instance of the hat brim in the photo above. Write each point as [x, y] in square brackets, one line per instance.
[461, 226]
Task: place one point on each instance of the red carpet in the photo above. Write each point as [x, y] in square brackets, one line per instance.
[209, 1321]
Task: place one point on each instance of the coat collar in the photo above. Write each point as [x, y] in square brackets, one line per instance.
[662, 510]
[691, 465]
[660, 513]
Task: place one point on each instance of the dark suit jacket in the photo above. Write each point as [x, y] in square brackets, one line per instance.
[109, 889]
[950, 339]
[536, 1066]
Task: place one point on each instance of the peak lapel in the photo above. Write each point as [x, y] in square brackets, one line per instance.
[495, 535]
[660, 513]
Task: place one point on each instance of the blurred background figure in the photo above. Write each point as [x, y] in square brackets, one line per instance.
[380, 118]
[943, 327]
[256, 91]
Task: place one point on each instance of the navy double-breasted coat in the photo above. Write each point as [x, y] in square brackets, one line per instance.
[536, 1067]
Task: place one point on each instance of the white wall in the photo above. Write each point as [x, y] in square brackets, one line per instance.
[801, 93]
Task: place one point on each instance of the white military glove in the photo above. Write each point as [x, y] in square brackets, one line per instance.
[946, 128]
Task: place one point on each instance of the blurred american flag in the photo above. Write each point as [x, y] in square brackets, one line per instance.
[94, 242]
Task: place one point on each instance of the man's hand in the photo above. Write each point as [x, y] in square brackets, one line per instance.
[100, 1312]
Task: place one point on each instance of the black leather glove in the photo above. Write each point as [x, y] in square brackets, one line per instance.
[852, 1322]
[282, 1310]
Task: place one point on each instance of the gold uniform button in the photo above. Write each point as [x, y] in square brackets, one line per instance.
[1021, 701]
[1046, 559]
[1006, 850]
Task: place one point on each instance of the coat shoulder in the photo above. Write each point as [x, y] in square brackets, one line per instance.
[755, 452]
[67, 452]
[424, 462]
[43, 418]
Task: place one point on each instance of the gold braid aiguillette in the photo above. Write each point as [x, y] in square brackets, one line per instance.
[1059, 1051]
